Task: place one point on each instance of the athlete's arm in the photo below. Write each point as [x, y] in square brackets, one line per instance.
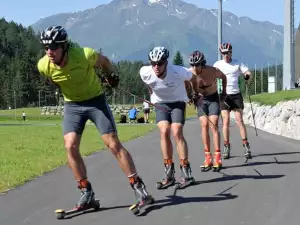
[246, 72]
[149, 90]
[188, 89]
[222, 76]
[110, 76]
[104, 63]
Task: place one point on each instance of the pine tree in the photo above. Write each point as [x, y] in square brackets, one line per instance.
[178, 60]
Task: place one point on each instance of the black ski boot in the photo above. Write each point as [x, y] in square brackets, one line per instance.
[226, 151]
[169, 178]
[142, 196]
[247, 151]
[186, 177]
[87, 199]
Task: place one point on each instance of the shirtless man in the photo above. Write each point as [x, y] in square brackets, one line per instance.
[207, 101]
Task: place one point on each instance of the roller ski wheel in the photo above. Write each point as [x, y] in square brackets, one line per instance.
[61, 213]
[207, 162]
[135, 208]
[217, 168]
[248, 156]
[184, 184]
[226, 155]
[205, 168]
[160, 185]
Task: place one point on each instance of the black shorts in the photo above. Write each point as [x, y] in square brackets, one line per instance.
[174, 112]
[233, 101]
[147, 110]
[96, 109]
[210, 105]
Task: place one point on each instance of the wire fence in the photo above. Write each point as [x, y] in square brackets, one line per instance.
[265, 79]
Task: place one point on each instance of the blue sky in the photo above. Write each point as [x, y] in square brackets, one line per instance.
[28, 12]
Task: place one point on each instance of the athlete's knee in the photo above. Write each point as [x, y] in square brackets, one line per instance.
[164, 131]
[204, 123]
[177, 133]
[71, 141]
[112, 141]
[239, 119]
[214, 127]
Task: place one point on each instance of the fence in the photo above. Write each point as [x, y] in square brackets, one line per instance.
[264, 79]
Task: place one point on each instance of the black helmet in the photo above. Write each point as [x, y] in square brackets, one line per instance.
[197, 58]
[226, 47]
[54, 34]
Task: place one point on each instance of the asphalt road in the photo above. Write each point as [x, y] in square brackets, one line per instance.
[264, 191]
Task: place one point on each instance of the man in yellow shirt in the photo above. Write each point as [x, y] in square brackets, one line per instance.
[72, 69]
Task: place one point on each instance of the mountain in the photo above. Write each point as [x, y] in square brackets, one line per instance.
[127, 29]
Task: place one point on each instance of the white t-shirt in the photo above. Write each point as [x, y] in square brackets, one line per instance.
[146, 105]
[169, 89]
[232, 71]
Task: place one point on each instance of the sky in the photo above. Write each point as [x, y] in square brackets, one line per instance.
[29, 12]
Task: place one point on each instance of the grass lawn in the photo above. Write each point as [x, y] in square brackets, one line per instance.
[33, 116]
[29, 151]
[273, 98]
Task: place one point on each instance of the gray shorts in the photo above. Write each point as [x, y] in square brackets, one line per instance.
[210, 105]
[96, 109]
[175, 114]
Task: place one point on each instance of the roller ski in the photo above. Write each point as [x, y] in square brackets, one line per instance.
[247, 152]
[169, 178]
[226, 151]
[141, 194]
[186, 177]
[217, 162]
[87, 201]
[207, 162]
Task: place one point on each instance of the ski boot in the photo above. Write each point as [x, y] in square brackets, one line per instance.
[169, 178]
[226, 151]
[87, 201]
[141, 194]
[217, 161]
[186, 177]
[247, 151]
[207, 162]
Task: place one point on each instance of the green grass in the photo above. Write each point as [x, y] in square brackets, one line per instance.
[273, 98]
[33, 115]
[30, 151]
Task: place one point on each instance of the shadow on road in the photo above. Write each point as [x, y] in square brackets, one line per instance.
[173, 200]
[261, 163]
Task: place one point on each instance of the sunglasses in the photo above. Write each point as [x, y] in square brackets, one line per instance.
[157, 63]
[226, 53]
[52, 47]
[195, 64]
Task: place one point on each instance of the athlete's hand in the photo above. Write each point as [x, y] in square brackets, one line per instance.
[112, 79]
[197, 99]
[223, 96]
[247, 77]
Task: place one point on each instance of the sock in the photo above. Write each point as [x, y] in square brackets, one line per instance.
[226, 143]
[168, 161]
[245, 141]
[184, 162]
[84, 183]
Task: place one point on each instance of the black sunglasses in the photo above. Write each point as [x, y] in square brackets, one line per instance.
[158, 63]
[52, 47]
[195, 64]
[226, 53]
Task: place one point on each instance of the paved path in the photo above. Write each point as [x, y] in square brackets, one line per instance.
[264, 191]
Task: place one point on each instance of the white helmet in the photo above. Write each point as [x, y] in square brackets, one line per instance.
[158, 54]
